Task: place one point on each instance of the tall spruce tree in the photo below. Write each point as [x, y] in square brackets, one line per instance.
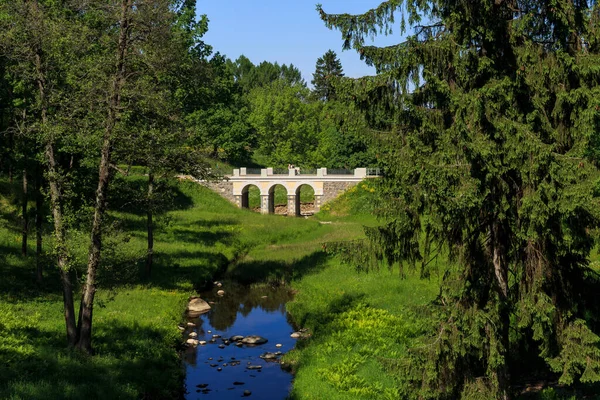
[328, 68]
[492, 156]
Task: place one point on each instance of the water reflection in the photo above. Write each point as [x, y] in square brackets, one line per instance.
[220, 370]
[243, 299]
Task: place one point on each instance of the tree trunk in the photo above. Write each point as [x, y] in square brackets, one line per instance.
[426, 253]
[39, 215]
[150, 207]
[57, 212]
[84, 325]
[498, 242]
[24, 215]
[10, 156]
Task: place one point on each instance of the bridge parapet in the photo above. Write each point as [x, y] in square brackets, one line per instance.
[360, 173]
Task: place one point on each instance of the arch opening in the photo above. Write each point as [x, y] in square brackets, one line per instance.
[277, 201]
[305, 200]
[251, 197]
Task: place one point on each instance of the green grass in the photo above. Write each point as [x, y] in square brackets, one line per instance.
[135, 321]
[362, 325]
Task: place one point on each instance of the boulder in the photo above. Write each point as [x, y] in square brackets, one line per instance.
[192, 342]
[236, 338]
[295, 335]
[268, 356]
[197, 306]
[220, 292]
[254, 339]
[193, 335]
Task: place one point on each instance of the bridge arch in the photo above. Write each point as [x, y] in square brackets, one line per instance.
[272, 197]
[297, 198]
[246, 198]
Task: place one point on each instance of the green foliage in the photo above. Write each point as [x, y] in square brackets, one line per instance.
[491, 154]
[343, 138]
[249, 76]
[286, 124]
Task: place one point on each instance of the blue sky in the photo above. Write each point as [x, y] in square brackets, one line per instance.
[286, 31]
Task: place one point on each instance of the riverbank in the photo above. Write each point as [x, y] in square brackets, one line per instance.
[136, 339]
[361, 325]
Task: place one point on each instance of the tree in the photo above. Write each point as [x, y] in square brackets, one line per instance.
[249, 76]
[328, 68]
[493, 155]
[343, 138]
[90, 66]
[149, 45]
[37, 58]
[286, 123]
[217, 112]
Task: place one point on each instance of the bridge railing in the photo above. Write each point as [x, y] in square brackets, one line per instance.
[340, 171]
[374, 172]
[307, 171]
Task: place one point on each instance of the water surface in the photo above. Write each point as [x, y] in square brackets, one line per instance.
[241, 311]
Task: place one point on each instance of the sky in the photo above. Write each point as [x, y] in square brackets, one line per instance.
[284, 31]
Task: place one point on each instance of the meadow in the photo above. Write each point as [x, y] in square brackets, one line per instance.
[362, 325]
[136, 339]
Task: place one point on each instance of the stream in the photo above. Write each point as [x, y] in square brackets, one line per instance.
[221, 369]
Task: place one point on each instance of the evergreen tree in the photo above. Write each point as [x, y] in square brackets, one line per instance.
[328, 68]
[249, 76]
[493, 158]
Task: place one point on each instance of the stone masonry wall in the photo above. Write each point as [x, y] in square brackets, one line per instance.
[331, 190]
[223, 188]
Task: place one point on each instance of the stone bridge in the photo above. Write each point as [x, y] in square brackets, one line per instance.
[326, 185]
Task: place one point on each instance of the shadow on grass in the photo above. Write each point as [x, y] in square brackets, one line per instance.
[209, 223]
[18, 281]
[130, 363]
[169, 274]
[207, 238]
[251, 271]
[128, 194]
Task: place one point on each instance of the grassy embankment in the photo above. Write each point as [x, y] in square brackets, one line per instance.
[361, 324]
[135, 321]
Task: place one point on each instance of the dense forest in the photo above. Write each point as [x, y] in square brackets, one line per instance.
[485, 121]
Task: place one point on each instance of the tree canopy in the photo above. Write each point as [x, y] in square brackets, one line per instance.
[489, 114]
